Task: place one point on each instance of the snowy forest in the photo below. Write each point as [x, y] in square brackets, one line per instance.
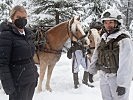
[51, 12]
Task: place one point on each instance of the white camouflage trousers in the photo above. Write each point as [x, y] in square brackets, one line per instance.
[108, 87]
[79, 59]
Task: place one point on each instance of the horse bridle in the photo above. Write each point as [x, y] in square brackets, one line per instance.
[72, 34]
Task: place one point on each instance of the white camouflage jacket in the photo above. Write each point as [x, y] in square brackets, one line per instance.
[125, 70]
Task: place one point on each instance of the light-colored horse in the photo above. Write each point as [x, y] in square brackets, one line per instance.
[55, 39]
[94, 37]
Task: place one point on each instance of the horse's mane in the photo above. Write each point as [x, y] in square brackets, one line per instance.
[58, 25]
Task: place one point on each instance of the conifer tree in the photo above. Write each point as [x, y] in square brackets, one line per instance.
[5, 6]
[55, 11]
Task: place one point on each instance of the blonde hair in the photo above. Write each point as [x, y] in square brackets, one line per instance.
[15, 9]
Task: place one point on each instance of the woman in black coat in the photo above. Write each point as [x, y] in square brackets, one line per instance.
[18, 73]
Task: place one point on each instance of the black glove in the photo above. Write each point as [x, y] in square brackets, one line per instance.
[70, 51]
[91, 78]
[69, 54]
[120, 90]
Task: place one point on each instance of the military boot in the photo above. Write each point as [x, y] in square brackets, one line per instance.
[75, 79]
[85, 79]
[91, 78]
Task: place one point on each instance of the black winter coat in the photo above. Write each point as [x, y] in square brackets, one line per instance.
[17, 67]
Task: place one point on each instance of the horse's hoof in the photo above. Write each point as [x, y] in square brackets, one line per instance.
[49, 89]
[39, 90]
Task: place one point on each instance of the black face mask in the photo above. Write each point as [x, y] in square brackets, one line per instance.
[20, 23]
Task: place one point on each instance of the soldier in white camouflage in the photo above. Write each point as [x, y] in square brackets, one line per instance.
[113, 57]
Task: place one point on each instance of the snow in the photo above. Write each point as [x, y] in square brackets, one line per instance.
[62, 85]
[62, 81]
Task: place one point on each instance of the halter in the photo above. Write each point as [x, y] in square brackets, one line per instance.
[72, 34]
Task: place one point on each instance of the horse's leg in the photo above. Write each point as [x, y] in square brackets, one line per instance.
[49, 73]
[43, 67]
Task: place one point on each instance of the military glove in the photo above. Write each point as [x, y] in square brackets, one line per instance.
[91, 78]
[120, 90]
[69, 54]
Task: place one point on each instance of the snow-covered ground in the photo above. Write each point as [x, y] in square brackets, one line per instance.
[62, 85]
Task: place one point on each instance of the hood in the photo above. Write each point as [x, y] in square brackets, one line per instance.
[5, 26]
[111, 36]
[8, 26]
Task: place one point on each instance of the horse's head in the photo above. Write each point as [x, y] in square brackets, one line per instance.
[76, 32]
[94, 37]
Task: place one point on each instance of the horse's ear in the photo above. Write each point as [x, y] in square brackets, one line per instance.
[72, 20]
[78, 18]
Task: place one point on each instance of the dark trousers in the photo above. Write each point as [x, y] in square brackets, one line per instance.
[24, 92]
